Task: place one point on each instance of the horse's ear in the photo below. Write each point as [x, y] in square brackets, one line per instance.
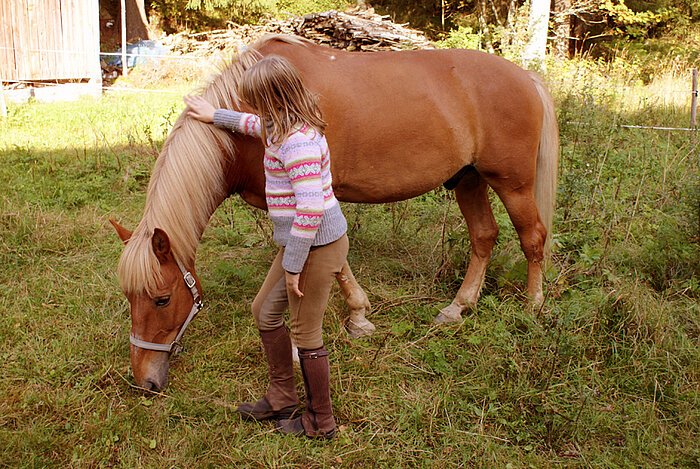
[124, 234]
[161, 245]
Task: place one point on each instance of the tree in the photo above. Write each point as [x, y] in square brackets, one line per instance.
[536, 47]
[562, 28]
[136, 20]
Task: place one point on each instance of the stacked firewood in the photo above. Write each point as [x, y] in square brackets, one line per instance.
[224, 41]
[359, 30]
[355, 30]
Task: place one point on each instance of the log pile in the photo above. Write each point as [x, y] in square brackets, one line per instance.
[362, 30]
[359, 30]
[223, 41]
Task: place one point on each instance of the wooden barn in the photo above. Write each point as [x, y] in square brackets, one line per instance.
[50, 48]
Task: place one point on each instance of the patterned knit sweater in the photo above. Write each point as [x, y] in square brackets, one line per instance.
[298, 190]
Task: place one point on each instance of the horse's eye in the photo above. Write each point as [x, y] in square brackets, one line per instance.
[163, 301]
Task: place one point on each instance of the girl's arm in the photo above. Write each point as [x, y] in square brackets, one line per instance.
[242, 122]
[202, 110]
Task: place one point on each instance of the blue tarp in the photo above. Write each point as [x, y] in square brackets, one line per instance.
[138, 53]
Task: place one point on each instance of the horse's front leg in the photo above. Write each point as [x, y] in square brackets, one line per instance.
[357, 324]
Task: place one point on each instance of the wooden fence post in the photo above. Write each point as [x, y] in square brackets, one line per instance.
[693, 131]
[3, 107]
[693, 108]
[125, 69]
[694, 99]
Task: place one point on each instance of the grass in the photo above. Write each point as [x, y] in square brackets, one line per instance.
[605, 374]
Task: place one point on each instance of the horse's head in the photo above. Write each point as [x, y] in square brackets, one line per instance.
[160, 311]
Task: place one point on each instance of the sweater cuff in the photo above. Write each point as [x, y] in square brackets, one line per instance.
[227, 119]
[295, 253]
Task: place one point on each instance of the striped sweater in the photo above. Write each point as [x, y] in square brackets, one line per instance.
[298, 190]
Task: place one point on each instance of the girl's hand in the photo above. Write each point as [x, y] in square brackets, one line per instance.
[199, 108]
[292, 281]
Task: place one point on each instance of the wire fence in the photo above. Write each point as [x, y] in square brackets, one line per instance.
[645, 127]
[105, 54]
[103, 87]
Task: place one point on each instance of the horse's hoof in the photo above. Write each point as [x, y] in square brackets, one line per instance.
[449, 314]
[360, 328]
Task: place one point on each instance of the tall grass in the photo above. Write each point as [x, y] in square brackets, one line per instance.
[605, 374]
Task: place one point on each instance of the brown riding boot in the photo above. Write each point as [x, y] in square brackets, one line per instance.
[280, 401]
[317, 421]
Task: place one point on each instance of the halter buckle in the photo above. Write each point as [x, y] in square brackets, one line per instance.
[189, 280]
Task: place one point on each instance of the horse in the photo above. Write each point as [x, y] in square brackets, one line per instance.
[400, 123]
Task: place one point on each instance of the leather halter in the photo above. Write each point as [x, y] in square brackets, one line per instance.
[175, 347]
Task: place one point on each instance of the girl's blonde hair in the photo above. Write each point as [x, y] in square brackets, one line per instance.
[274, 89]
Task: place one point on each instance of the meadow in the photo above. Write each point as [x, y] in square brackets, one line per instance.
[605, 374]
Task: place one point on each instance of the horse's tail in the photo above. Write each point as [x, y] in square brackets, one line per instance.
[547, 161]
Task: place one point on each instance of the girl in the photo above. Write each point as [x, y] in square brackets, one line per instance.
[310, 228]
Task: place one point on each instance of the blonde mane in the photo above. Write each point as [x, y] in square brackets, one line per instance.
[187, 183]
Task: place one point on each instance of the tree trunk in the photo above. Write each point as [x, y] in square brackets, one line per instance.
[562, 27]
[136, 21]
[536, 48]
[484, 26]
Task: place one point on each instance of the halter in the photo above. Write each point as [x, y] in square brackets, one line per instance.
[175, 346]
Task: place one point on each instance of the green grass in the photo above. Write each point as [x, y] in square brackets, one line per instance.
[605, 375]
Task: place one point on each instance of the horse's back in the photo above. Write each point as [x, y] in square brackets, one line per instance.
[402, 123]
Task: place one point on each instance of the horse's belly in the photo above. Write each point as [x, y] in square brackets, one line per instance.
[378, 170]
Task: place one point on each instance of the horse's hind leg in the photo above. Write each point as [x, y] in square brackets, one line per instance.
[357, 324]
[473, 200]
[519, 202]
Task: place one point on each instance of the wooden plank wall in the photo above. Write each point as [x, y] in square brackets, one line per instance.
[49, 40]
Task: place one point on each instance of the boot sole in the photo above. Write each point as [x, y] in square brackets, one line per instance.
[270, 415]
[299, 432]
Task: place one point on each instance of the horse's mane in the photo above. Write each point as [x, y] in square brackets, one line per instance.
[187, 181]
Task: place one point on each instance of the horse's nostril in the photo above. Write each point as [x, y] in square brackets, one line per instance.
[150, 386]
[153, 385]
